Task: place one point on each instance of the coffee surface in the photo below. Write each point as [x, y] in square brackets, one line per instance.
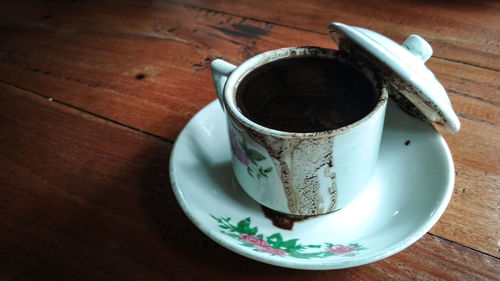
[305, 94]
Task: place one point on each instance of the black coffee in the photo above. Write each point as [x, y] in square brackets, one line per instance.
[305, 94]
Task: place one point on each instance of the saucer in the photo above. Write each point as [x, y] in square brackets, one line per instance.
[410, 190]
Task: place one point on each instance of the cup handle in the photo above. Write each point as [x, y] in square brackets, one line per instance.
[220, 72]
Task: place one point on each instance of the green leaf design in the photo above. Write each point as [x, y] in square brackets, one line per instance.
[243, 145]
[268, 170]
[275, 240]
[274, 245]
[289, 244]
[254, 155]
[216, 219]
[243, 226]
[250, 171]
[253, 231]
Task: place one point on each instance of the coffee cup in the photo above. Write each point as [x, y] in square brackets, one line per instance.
[302, 166]
[305, 126]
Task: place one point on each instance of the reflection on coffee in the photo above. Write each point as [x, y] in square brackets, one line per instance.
[305, 94]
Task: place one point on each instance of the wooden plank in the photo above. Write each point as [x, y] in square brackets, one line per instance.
[85, 199]
[473, 91]
[431, 258]
[98, 52]
[211, 32]
[76, 194]
[467, 80]
[102, 66]
[458, 30]
[152, 73]
[473, 214]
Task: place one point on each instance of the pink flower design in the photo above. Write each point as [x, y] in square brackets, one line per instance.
[341, 249]
[237, 150]
[277, 246]
[262, 245]
[256, 241]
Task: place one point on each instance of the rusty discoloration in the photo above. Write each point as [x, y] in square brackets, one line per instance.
[285, 221]
[400, 92]
[299, 163]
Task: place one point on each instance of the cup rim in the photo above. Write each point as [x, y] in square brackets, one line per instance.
[237, 76]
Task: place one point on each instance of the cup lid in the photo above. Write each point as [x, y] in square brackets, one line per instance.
[411, 84]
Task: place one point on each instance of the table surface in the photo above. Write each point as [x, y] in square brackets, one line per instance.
[94, 94]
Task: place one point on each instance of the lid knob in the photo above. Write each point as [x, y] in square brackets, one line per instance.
[418, 47]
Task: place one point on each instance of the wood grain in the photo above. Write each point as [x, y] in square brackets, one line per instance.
[422, 261]
[77, 194]
[86, 199]
[104, 67]
[85, 196]
[100, 52]
[81, 52]
[473, 213]
[473, 90]
[146, 65]
[458, 30]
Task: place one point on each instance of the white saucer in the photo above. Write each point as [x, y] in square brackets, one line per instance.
[409, 192]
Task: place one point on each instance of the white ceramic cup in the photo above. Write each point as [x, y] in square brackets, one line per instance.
[300, 173]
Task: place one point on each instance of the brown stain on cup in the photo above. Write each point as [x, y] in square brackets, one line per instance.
[285, 221]
[299, 162]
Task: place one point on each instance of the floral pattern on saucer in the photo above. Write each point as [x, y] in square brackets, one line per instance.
[275, 245]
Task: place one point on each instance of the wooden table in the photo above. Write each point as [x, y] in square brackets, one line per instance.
[94, 93]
